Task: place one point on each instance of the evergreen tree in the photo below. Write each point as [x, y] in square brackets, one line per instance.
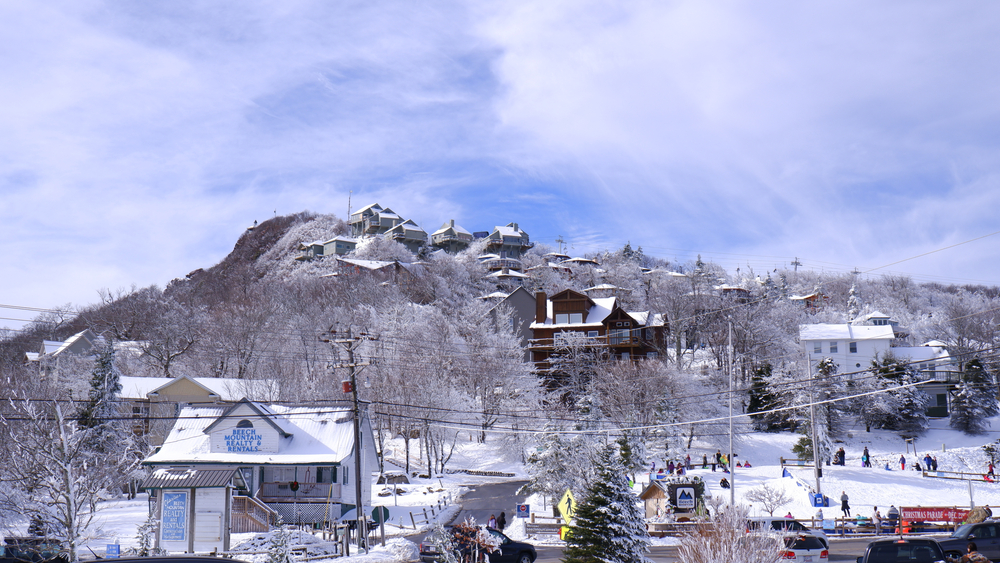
[105, 388]
[608, 522]
[853, 304]
[897, 403]
[981, 385]
[968, 414]
[762, 399]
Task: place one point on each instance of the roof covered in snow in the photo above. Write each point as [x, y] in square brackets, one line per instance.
[313, 434]
[844, 332]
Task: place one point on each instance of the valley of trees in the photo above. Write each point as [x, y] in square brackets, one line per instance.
[442, 369]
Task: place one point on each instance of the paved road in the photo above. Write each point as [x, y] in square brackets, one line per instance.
[492, 499]
[840, 550]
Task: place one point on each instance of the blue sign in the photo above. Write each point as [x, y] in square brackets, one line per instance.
[523, 510]
[243, 440]
[173, 519]
[113, 551]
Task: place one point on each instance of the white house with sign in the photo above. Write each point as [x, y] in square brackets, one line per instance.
[236, 469]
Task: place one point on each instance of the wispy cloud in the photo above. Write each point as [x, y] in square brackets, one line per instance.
[141, 138]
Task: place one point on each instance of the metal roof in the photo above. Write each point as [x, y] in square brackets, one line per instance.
[188, 478]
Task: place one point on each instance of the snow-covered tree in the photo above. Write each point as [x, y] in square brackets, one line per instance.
[279, 548]
[727, 540]
[608, 521]
[57, 475]
[102, 408]
[968, 413]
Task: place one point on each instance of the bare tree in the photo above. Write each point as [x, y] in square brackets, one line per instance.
[771, 498]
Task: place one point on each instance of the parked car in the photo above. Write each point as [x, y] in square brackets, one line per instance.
[903, 550]
[805, 548]
[31, 549]
[790, 525]
[509, 551]
[985, 534]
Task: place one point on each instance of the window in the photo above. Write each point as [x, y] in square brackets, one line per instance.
[618, 336]
[592, 333]
[853, 346]
[326, 474]
[833, 347]
[817, 347]
[346, 480]
[562, 318]
[576, 317]
[650, 354]
[624, 355]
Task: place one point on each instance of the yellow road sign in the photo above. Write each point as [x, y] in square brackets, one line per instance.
[567, 506]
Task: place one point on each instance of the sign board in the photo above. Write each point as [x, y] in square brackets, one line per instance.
[174, 516]
[380, 514]
[567, 506]
[523, 510]
[685, 498]
[113, 551]
[933, 514]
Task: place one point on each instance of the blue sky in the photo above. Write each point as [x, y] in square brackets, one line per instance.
[141, 138]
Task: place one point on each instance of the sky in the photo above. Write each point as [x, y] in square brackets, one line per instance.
[140, 139]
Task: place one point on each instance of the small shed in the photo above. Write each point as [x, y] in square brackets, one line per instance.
[193, 507]
[678, 496]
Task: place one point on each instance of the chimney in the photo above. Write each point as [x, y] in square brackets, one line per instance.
[452, 222]
[540, 299]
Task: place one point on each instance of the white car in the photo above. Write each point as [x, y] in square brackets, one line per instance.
[790, 525]
[805, 548]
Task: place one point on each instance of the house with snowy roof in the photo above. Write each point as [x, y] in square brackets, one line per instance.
[373, 220]
[570, 318]
[239, 467]
[854, 347]
[451, 237]
[409, 234]
[508, 241]
[153, 402]
[338, 245]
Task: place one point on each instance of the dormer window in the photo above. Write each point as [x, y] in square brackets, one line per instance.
[565, 318]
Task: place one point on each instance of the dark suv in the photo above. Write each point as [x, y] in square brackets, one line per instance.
[985, 534]
[509, 551]
[903, 550]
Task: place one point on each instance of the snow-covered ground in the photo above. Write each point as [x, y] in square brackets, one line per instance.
[867, 487]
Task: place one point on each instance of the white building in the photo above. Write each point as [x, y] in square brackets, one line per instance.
[230, 469]
[852, 347]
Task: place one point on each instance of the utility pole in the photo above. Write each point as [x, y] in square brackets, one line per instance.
[817, 464]
[732, 464]
[561, 243]
[796, 263]
[350, 343]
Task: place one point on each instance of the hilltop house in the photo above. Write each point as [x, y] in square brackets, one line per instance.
[237, 468]
[508, 241]
[599, 325]
[451, 238]
[338, 245]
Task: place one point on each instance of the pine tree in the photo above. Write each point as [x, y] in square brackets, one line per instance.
[105, 388]
[981, 383]
[609, 525]
[853, 304]
[967, 412]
